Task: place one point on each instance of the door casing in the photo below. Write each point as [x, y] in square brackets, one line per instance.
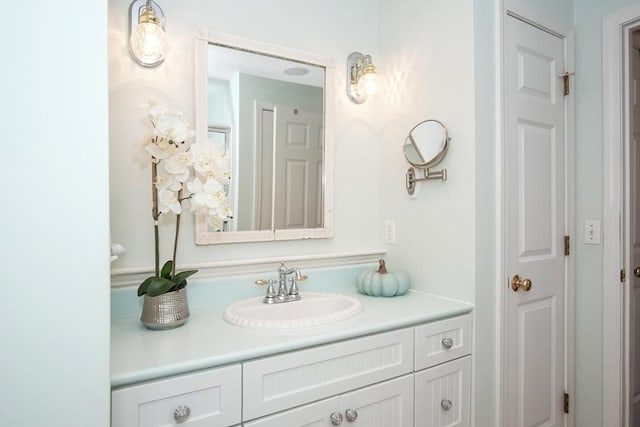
[615, 318]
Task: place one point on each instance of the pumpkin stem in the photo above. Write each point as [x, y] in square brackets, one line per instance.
[382, 269]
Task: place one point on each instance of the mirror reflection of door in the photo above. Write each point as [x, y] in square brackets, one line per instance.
[289, 169]
[221, 139]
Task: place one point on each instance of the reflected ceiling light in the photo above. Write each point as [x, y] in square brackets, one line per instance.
[362, 80]
[147, 39]
[296, 71]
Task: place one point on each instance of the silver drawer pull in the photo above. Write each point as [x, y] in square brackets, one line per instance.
[351, 415]
[181, 414]
[336, 418]
[446, 404]
[447, 342]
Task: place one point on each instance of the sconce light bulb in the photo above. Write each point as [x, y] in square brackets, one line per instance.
[148, 41]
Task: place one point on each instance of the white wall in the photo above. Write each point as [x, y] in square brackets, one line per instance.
[54, 250]
[292, 24]
[427, 65]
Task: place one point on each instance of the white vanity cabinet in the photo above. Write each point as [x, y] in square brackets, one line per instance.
[417, 376]
[210, 398]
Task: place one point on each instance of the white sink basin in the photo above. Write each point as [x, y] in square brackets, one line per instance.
[313, 309]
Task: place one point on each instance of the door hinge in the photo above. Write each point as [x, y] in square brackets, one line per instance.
[623, 275]
[565, 82]
[567, 245]
[565, 402]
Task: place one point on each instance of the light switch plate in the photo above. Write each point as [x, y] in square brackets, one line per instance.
[390, 232]
[591, 232]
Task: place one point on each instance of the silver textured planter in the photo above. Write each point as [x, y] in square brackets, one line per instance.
[166, 311]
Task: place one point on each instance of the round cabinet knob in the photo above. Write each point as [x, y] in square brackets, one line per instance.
[351, 415]
[181, 414]
[636, 271]
[446, 404]
[336, 418]
[517, 284]
[447, 342]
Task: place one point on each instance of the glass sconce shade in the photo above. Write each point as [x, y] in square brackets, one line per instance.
[147, 41]
[368, 83]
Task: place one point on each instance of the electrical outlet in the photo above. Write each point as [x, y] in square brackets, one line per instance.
[390, 232]
[592, 232]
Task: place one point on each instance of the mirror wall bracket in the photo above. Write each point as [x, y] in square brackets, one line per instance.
[428, 176]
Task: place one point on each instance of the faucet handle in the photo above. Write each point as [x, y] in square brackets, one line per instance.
[300, 277]
[263, 282]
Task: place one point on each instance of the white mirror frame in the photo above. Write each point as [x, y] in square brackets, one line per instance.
[202, 40]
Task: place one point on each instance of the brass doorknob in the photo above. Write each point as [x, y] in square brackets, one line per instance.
[524, 284]
[636, 271]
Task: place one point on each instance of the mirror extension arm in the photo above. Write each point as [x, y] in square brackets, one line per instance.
[428, 176]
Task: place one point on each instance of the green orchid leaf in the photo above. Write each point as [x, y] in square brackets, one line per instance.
[166, 270]
[142, 289]
[183, 275]
[159, 286]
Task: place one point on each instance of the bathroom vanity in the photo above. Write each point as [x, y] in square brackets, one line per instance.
[401, 362]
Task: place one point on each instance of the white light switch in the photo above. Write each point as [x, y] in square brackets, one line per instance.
[592, 232]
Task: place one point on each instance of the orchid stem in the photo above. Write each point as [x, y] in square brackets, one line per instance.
[175, 240]
[155, 214]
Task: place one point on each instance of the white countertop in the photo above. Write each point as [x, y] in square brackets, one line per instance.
[206, 340]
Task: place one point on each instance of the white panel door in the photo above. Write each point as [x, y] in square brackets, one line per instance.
[298, 168]
[634, 235]
[534, 325]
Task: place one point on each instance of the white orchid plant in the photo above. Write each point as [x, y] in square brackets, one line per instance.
[182, 174]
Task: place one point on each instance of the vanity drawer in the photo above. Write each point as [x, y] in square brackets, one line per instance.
[212, 397]
[438, 342]
[276, 383]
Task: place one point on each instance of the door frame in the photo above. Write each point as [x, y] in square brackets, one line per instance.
[615, 318]
[533, 17]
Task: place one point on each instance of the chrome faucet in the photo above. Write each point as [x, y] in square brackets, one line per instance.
[285, 293]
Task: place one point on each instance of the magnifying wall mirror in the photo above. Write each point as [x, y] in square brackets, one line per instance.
[425, 147]
[268, 107]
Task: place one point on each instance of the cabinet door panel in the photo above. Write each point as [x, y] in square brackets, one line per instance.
[382, 405]
[442, 395]
[314, 415]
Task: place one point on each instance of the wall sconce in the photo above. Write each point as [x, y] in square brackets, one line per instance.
[147, 39]
[362, 79]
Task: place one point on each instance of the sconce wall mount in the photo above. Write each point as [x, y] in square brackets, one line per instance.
[147, 39]
[361, 77]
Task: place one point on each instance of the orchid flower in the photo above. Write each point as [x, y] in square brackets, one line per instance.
[168, 202]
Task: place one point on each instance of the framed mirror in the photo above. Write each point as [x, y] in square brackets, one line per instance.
[270, 109]
[425, 146]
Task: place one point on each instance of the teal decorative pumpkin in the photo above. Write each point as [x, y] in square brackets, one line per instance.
[382, 283]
